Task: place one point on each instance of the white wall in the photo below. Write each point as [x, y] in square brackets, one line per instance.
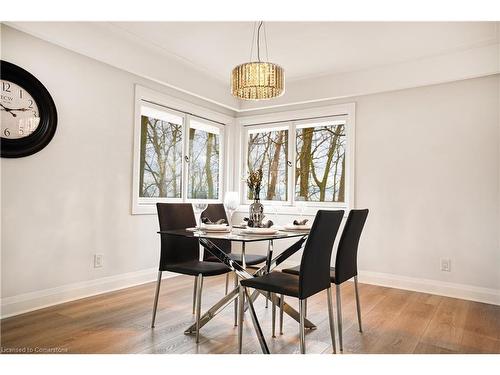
[427, 166]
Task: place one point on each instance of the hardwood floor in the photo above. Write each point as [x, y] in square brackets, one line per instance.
[394, 321]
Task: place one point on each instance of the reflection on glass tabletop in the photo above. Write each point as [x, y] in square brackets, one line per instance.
[234, 235]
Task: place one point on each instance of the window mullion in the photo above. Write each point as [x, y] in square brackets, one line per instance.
[185, 156]
[222, 172]
[244, 170]
[292, 167]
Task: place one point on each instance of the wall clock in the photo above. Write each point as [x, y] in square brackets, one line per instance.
[28, 113]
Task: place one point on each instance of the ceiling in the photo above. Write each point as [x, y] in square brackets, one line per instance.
[307, 49]
[322, 60]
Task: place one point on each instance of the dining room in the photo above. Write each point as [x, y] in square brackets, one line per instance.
[250, 187]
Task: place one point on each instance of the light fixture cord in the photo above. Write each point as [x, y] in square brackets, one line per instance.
[253, 40]
[258, 40]
[265, 41]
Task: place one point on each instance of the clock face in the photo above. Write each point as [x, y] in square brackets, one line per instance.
[19, 111]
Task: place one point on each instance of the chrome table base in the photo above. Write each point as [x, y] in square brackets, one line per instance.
[240, 292]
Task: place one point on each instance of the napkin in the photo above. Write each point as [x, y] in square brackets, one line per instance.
[301, 222]
[206, 220]
[251, 224]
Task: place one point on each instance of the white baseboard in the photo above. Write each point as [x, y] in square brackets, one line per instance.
[27, 302]
[23, 303]
[442, 288]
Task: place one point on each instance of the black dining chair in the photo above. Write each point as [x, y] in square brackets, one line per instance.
[214, 212]
[181, 254]
[346, 264]
[314, 272]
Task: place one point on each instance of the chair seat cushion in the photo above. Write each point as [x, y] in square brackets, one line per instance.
[250, 259]
[296, 270]
[275, 282]
[196, 267]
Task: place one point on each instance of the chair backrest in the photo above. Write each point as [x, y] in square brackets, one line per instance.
[315, 264]
[176, 249]
[215, 212]
[346, 261]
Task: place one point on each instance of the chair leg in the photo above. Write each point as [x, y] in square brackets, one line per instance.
[305, 308]
[198, 306]
[194, 293]
[339, 316]
[241, 311]
[282, 302]
[358, 306]
[302, 328]
[227, 282]
[330, 317]
[273, 315]
[155, 304]
[235, 301]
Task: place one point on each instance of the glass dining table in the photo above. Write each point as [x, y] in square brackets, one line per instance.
[206, 240]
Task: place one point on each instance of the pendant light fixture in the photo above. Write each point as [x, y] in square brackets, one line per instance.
[258, 80]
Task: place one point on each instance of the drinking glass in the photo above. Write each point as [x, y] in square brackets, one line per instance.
[198, 208]
[231, 202]
[301, 204]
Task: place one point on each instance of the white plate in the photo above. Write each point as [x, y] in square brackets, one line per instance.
[262, 231]
[297, 227]
[215, 227]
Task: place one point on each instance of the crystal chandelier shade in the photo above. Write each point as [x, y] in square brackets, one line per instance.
[257, 80]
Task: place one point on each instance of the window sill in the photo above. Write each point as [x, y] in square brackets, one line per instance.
[288, 210]
[285, 210]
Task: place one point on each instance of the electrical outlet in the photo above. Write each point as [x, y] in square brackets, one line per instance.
[98, 260]
[446, 264]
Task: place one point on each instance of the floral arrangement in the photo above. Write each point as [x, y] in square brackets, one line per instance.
[254, 182]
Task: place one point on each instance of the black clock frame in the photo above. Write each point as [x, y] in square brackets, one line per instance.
[43, 134]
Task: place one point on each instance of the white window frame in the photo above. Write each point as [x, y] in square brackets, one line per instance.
[264, 128]
[189, 112]
[292, 119]
[221, 158]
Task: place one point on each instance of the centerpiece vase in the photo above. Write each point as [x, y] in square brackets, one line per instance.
[256, 213]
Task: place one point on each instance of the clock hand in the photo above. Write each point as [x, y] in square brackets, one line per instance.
[15, 109]
[8, 110]
[20, 109]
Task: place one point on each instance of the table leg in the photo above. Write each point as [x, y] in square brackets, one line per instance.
[270, 248]
[258, 329]
[243, 260]
[232, 295]
[214, 310]
[244, 265]
[241, 300]
[235, 300]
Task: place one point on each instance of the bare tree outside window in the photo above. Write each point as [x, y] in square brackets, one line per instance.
[203, 176]
[269, 151]
[161, 158]
[320, 163]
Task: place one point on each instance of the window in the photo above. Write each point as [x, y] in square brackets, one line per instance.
[307, 160]
[160, 173]
[204, 160]
[178, 155]
[269, 150]
[320, 162]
